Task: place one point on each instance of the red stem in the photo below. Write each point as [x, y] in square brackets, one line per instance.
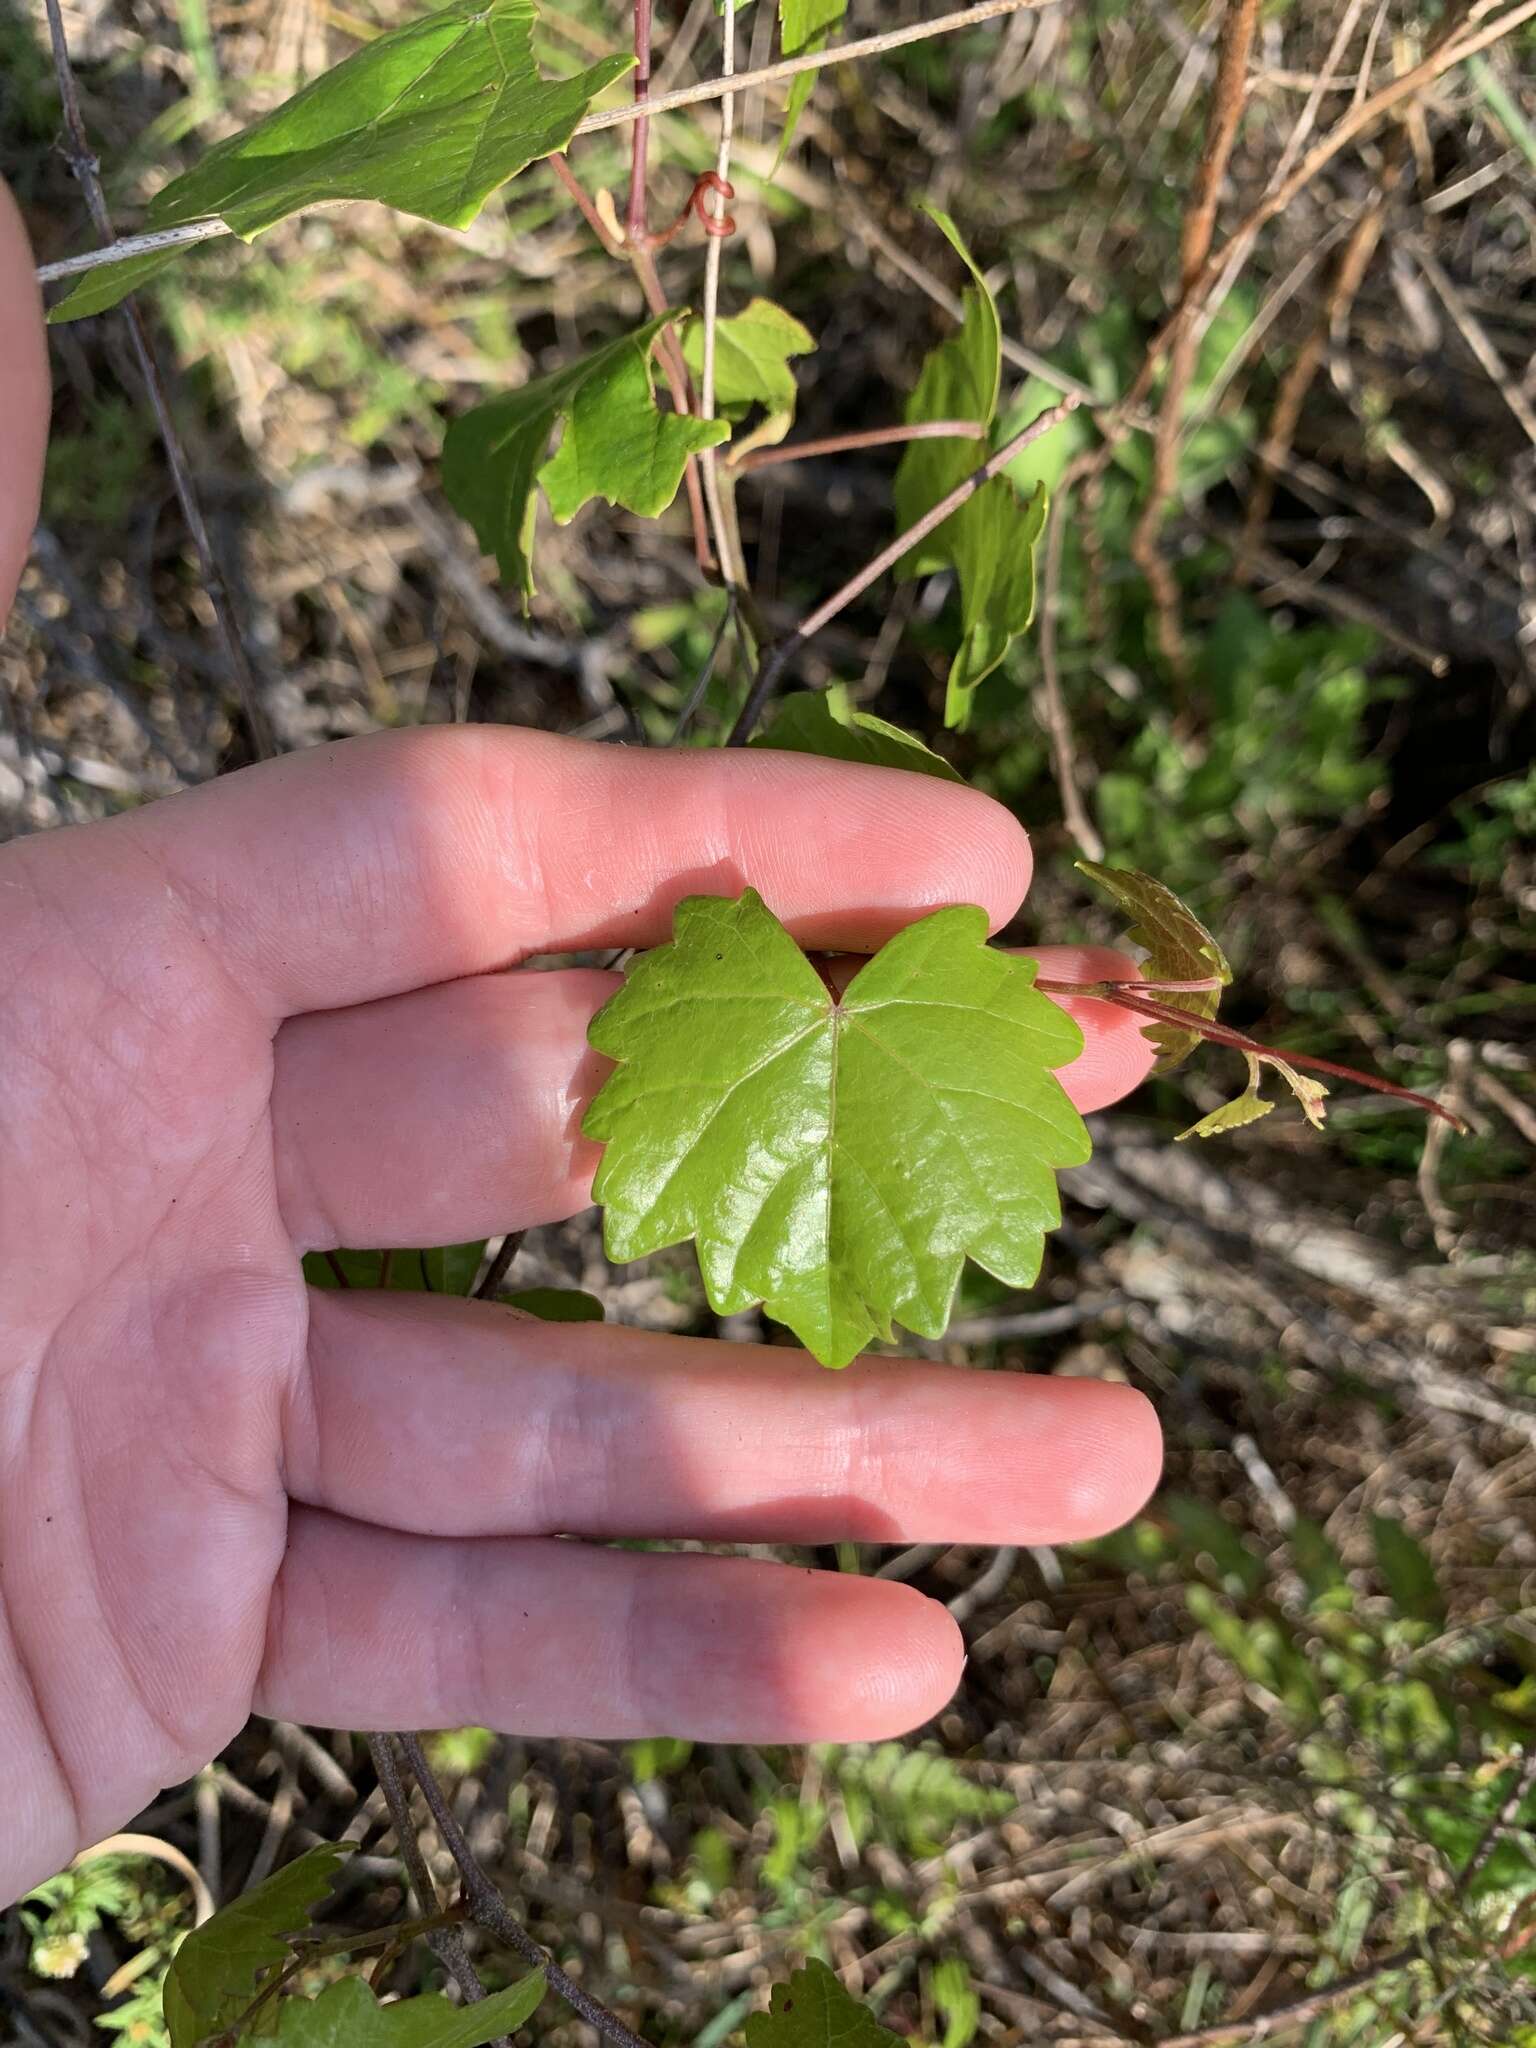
[869, 437]
[640, 143]
[1127, 996]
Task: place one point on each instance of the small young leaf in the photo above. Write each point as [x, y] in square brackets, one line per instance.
[804, 25]
[441, 1269]
[347, 2015]
[1247, 1108]
[556, 1304]
[835, 1158]
[213, 1975]
[617, 445]
[752, 352]
[814, 2011]
[824, 722]
[430, 118]
[1409, 1573]
[1179, 948]
[956, 2001]
[990, 542]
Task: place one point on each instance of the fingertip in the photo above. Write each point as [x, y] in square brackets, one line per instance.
[1118, 1461]
[900, 1656]
[1117, 1055]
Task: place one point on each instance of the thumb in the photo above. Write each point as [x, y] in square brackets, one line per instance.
[24, 398]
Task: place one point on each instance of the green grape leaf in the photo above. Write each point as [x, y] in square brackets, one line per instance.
[824, 722]
[441, 1269]
[617, 445]
[347, 2015]
[1179, 948]
[1408, 1571]
[804, 26]
[959, 380]
[556, 1304]
[752, 352]
[430, 118]
[835, 1158]
[213, 1975]
[814, 2011]
[990, 542]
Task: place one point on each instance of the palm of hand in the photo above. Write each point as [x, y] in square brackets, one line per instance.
[262, 1018]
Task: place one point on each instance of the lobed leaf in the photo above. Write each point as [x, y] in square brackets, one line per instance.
[814, 2011]
[835, 1158]
[752, 352]
[990, 542]
[429, 118]
[825, 722]
[347, 2015]
[215, 1973]
[617, 444]
[1179, 948]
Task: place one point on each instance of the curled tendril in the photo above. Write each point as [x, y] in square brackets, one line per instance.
[694, 206]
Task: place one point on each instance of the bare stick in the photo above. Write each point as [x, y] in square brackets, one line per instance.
[616, 117]
[1285, 416]
[447, 1944]
[782, 655]
[721, 518]
[489, 1285]
[489, 1909]
[1199, 227]
[640, 144]
[87, 175]
[870, 437]
[1057, 725]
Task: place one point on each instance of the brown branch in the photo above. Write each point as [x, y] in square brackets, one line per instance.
[446, 1943]
[780, 657]
[1236, 43]
[1222, 1034]
[83, 164]
[490, 1283]
[488, 1909]
[559, 163]
[870, 437]
[1285, 415]
[640, 142]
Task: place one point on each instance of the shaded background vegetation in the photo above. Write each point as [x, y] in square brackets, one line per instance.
[1266, 1751]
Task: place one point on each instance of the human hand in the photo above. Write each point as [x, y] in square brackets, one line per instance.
[270, 1015]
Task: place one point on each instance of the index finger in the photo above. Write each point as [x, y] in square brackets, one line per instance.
[377, 865]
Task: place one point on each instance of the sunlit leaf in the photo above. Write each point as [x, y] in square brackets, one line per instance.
[836, 1159]
[1246, 1108]
[617, 444]
[430, 118]
[1179, 948]
[825, 722]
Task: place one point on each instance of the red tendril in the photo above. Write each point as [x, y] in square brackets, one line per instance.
[720, 224]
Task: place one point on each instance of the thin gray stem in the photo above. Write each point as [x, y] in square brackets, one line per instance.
[446, 1943]
[488, 1909]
